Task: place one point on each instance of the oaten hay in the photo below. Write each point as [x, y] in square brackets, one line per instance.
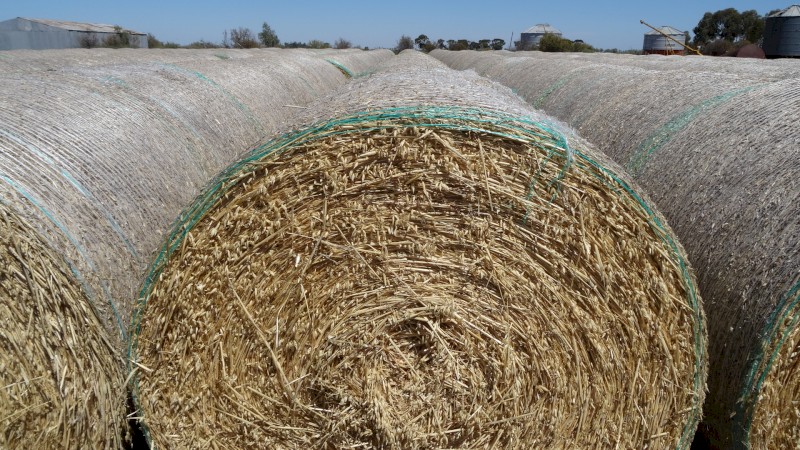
[718, 153]
[99, 161]
[420, 276]
[64, 395]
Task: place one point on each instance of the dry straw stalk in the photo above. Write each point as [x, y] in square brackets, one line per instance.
[97, 159]
[420, 276]
[714, 142]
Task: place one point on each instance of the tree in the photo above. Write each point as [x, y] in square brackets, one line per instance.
[268, 37]
[497, 44]
[422, 41]
[243, 38]
[121, 38]
[729, 25]
[404, 43]
[89, 40]
[316, 43]
[342, 43]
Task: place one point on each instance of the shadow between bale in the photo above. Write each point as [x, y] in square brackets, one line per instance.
[420, 277]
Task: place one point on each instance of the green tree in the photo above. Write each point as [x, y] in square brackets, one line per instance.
[242, 38]
[404, 43]
[422, 41]
[316, 43]
[342, 43]
[268, 37]
[730, 25]
[498, 44]
[553, 43]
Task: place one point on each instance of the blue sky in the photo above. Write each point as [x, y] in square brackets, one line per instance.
[380, 23]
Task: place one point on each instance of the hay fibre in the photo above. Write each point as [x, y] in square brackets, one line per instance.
[420, 273]
[52, 396]
[98, 160]
[714, 142]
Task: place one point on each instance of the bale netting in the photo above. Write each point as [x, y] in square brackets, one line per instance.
[718, 154]
[99, 161]
[52, 396]
[420, 274]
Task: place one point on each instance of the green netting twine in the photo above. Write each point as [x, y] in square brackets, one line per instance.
[664, 133]
[783, 320]
[465, 119]
[81, 251]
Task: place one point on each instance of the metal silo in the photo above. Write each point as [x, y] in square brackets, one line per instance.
[782, 33]
[531, 37]
[657, 42]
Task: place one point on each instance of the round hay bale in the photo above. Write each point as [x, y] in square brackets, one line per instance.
[424, 273]
[98, 161]
[718, 154]
[52, 396]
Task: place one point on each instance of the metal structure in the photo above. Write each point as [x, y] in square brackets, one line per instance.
[664, 41]
[782, 33]
[38, 34]
[531, 37]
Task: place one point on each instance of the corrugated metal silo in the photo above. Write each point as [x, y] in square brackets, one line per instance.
[531, 37]
[782, 33]
[656, 43]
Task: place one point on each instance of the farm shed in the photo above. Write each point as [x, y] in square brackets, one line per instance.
[429, 264]
[531, 37]
[95, 163]
[718, 154]
[39, 34]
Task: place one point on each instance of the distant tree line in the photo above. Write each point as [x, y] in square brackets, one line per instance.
[426, 44]
[243, 37]
[725, 31]
[554, 43]
[120, 38]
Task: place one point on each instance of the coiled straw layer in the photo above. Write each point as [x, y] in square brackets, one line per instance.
[417, 277]
[714, 143]
[98, 160]
[52, 396]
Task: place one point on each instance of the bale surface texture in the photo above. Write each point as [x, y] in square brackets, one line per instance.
[99, 160]
[60, 386]
[715, 146]
[420, 273]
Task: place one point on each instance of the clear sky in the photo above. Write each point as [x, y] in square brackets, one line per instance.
[380, 23]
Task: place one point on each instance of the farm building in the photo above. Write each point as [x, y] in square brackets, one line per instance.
[38, 34]
[782, 33]
[662, 41]
[533, 35]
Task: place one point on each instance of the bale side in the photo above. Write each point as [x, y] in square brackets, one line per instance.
[418, 276]
[716, 149]
[60, 375]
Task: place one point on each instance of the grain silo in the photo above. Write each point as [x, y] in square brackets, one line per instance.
[662, 41]
[531, 37]
[38, 34]
[782, 33]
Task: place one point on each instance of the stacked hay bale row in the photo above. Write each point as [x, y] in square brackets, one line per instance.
[430, 263]
[95, 163]
[716, 148]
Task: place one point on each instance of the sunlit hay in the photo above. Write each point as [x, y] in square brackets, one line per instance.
[420, 278]
[718, 154]
[61, 382]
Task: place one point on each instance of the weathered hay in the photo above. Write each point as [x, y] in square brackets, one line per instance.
[438, 267]
[52, 396]
[98, 161]
[718, 153]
